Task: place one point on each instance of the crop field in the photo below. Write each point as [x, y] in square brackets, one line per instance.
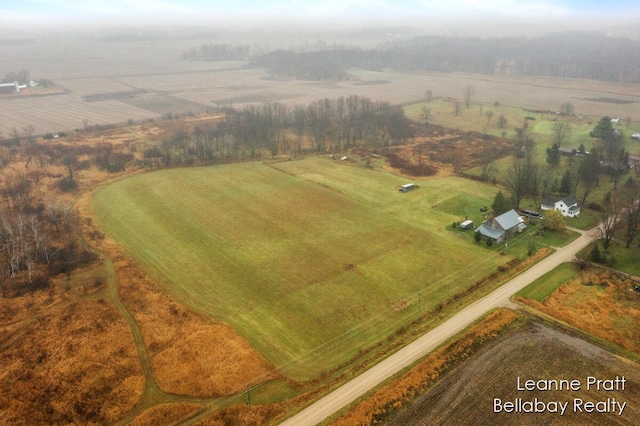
[63, 113]
[467, 394]
[312, 261]
[170, 84]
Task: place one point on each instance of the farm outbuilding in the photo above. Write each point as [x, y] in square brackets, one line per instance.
[467, 224]
[502, 227]
[568, 152]
[10, 88]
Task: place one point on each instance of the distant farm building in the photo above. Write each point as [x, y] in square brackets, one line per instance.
[502, 227]
[567, 152]
[10, 87]
[568, 206]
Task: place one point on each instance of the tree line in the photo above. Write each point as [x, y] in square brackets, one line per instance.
[217, 52]
[568, 55]
[274, 129]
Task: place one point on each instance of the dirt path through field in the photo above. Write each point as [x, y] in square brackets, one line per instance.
[357, 387]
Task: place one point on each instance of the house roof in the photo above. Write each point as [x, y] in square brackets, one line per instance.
[509, 219]
[551, 201]
[490, 232]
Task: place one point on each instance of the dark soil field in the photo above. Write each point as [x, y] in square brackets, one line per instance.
[467, 395]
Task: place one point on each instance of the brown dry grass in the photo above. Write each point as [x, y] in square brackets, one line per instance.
[403, 390]
[191, 354]
[442, 151]
[15, 310]
[164, 414]
[599, 302]
[84, 368]
[241, 415]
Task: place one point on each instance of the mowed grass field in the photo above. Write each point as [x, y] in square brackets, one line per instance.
[312, 260]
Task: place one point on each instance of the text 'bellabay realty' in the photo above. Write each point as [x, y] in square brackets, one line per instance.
[577, 405]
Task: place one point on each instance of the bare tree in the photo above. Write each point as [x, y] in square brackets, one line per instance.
[456, 108]
[426, 112]
[488, 169]
[588, 172]
[567, 109]
[15, 136]
[468, 93]
[561, 131]
[630, 211]
[517, 181]
[428, 95]
[31, 148]
[610, 220]
[489, 115]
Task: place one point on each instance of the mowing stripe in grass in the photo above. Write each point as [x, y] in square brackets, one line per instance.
[322, 256]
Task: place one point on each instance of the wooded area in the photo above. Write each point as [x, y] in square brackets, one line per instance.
[567, 55]
[38, 234]
[326, 125]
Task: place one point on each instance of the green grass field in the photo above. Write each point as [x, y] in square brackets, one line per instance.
[626, 259]
[541, 288]
[312, 261]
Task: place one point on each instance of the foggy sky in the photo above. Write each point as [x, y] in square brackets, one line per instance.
[477, 16]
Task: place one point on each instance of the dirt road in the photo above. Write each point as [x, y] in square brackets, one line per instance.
[352, 390]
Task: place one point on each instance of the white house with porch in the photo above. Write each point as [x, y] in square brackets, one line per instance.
[568, 206]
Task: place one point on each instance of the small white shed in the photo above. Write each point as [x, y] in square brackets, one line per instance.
[467, 224]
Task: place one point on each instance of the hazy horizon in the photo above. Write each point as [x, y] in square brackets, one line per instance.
[460, 17]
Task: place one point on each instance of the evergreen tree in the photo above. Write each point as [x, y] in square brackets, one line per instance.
[500, 204]
[553, 155]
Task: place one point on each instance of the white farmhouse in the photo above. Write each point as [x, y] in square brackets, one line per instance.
[568, 206]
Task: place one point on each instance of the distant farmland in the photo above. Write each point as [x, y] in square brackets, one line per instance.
[312, 261]
[167, 84]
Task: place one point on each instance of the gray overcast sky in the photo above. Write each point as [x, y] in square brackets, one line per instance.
[479, 15]
[37, 10]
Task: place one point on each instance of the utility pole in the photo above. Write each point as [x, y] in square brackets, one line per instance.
[249, 397]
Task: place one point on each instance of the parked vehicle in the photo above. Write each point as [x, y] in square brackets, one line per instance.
[407, 187]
